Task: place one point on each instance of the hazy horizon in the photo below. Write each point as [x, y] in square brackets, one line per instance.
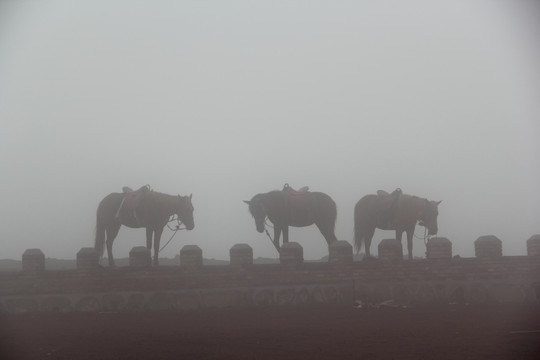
[224, 100]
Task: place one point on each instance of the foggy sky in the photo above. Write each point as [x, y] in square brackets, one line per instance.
[228, 99]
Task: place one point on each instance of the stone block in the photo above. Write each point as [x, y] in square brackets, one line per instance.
[87, 258]
[241, 255]
[390, 249]
[439, 248]
[340, 252]
[533, 245]
[33, 260]
[488, 246]
[191, 256]
[140, 256]
[291, 254]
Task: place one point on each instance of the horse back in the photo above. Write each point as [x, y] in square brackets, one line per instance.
[366, 209]
[378, 211]
[312, 207]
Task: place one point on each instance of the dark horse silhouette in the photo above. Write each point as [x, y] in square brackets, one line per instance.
[137, 209]
[396, 211]
[294, 208]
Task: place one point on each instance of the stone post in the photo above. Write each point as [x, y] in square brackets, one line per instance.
[87, 258]
[140, 256]
[390, 249]
[191, 256]
[488, 246]
[291, 254]
[340, 252]
[439, 248]
[33, 260]
[533, 245]
[241, 255]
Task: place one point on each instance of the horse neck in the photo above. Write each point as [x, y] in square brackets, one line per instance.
[166, 202]
[272, 201]
[417, 204]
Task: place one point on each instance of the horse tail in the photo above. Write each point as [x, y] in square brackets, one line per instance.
[99, 242]
[333, 218]
[101, 225]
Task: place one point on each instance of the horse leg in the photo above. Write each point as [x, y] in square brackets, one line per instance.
[112, 232]
[149, 233]
[399, 234]
[277, 234]
[410, 233]
[326, 231]
[368, 236]
[157, 238]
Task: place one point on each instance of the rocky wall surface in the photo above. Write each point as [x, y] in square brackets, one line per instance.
[365, 283]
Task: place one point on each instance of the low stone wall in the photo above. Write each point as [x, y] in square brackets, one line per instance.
[490, 277]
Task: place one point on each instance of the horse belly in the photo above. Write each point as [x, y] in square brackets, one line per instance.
[301, 223]
[130, 219]
[386, 226]
[300, 217]
[132, 223]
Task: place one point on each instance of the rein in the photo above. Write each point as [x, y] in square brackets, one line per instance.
[268, 234]
[425, 238]
[175, 231]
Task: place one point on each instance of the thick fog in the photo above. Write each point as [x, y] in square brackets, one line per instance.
[228, 99]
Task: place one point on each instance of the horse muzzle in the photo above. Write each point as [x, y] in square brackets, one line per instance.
[259, 227]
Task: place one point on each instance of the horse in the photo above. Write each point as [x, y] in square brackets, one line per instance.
[396, 211]
[289, 207]
[143, 208]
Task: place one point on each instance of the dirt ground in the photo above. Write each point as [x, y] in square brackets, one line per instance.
[315, 332]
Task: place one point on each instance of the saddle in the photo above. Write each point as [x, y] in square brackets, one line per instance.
[299, 209]
[129, 211]
[302, 191]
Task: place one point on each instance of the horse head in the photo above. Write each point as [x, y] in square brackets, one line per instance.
[184, 211]
[428, 216]
[257, 210]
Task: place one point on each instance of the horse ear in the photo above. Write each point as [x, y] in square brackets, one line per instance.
[247, 202]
